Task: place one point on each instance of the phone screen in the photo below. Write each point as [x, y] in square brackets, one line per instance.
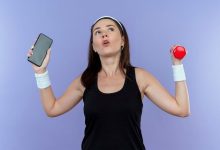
[42, 44]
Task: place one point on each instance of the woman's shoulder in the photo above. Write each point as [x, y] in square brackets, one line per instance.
[141, 72]
[143, 76]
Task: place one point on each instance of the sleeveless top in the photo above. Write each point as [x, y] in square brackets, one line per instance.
[113, 119]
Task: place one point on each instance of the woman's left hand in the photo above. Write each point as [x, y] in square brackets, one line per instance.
[175, 61]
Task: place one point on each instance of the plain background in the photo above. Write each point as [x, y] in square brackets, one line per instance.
[153, 27]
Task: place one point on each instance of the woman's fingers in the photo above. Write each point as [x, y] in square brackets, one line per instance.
[49, 50]
[30, 52]
[48, 53]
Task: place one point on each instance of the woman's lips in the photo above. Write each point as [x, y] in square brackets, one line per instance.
[105, 43]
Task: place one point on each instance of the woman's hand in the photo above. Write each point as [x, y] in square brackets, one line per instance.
[175, 60]
[43, 67]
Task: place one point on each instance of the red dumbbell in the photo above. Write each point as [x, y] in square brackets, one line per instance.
[179, 52]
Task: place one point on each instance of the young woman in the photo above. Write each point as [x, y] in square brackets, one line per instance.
[112, 91]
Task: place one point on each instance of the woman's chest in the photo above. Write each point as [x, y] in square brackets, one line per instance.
[110, 85]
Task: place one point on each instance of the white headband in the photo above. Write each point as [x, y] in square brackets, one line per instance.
[109, 18]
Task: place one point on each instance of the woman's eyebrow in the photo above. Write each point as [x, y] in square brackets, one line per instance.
[106, 26]
[110, 25]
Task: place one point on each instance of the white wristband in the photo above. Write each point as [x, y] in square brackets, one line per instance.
[43, 80]
[178, 73]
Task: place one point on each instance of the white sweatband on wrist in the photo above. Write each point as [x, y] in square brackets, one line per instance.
[43, 80]
[178, 73]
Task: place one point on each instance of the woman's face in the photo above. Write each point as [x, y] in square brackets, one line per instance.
[107, 39]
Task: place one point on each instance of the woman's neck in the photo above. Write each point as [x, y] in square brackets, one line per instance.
[110, 66]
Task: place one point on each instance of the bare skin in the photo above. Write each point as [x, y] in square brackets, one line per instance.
[111, 79]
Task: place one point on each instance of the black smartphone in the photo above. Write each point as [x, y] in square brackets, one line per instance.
[41, 45]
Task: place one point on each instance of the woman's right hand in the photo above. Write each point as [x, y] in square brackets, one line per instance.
[42, 68]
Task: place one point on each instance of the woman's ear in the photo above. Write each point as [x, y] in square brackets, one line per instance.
[123, 41]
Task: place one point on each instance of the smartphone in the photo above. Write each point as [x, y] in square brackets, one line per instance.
[41, 45]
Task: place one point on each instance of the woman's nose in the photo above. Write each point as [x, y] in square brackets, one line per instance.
[104, 34]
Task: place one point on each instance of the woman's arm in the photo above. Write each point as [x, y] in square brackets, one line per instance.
[177, 105]
[68, 100]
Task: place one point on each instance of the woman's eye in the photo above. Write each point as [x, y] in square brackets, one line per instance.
[111, 29]
[97, 32]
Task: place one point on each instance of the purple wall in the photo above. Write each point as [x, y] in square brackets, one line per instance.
[153, 26]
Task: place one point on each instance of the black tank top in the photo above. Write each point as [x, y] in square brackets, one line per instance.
[113, 119]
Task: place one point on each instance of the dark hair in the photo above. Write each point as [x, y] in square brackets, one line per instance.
[89, 75]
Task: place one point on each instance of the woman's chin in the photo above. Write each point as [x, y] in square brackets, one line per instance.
[109, 53]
